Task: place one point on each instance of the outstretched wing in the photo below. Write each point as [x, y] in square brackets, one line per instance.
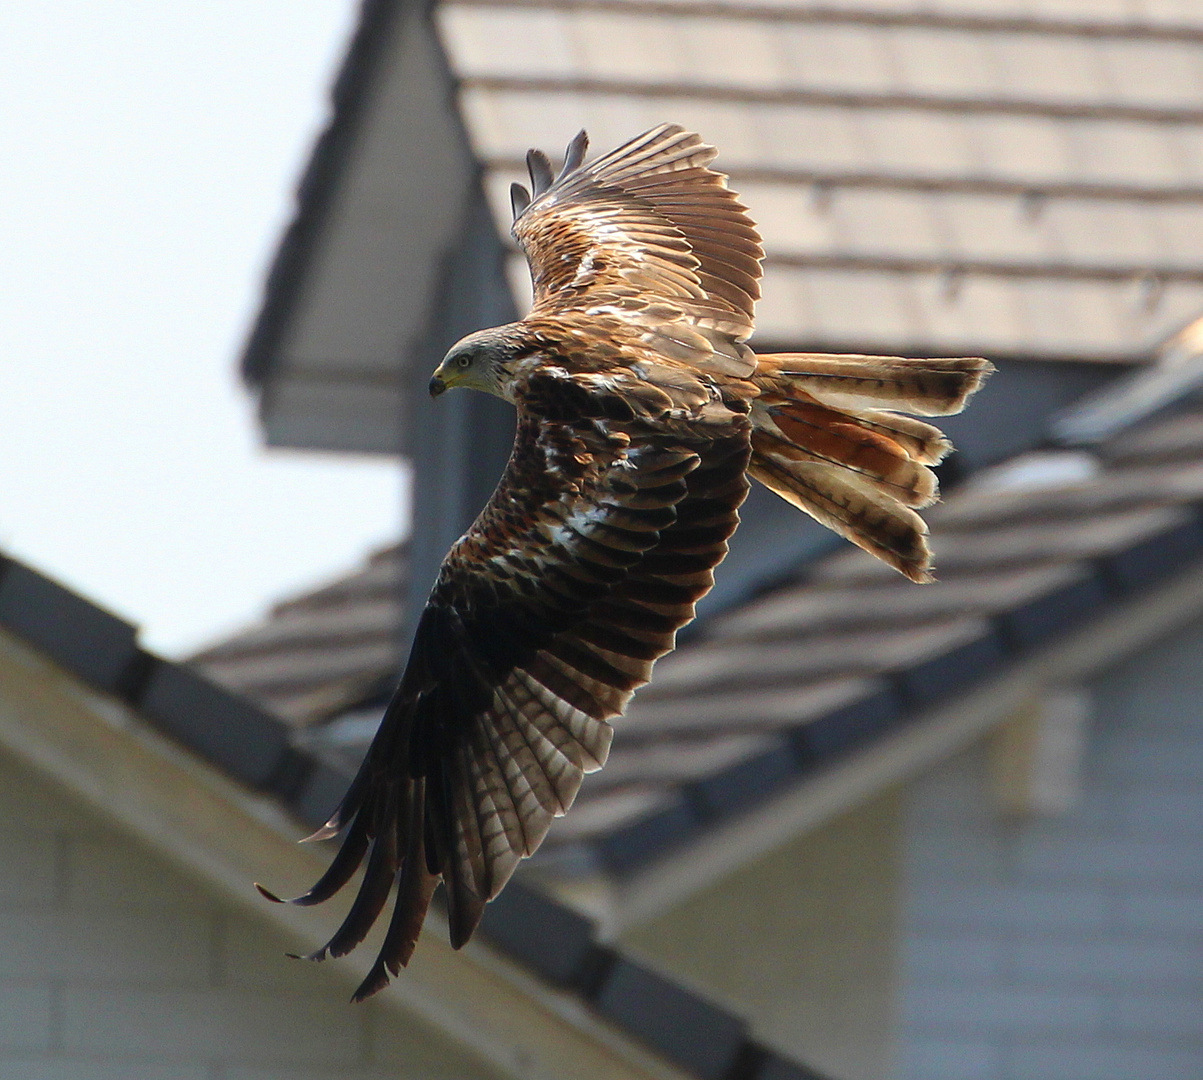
[649, 233]
[546, 616]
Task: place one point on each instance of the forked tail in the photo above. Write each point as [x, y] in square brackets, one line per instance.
[827, 436]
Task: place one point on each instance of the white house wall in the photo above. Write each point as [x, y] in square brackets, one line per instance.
[802, 942]
[1068, 946]
[115, 966]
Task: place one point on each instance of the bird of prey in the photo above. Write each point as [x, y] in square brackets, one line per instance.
[642, 413]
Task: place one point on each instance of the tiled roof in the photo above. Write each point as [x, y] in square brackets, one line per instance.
[991, 177]
[791, 680]
[257, 749]
[315, 656]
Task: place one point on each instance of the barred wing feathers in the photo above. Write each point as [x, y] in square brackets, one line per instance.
[545, 618]
[650, 233]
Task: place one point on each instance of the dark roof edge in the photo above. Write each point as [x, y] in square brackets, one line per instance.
[254, 747]
[316, 190]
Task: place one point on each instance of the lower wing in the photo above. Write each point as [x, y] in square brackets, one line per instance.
[546, 617]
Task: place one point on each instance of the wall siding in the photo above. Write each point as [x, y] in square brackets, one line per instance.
[801, 942]
[1068, 948]
[114, 965]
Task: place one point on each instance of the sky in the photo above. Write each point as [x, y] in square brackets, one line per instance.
[150, 153]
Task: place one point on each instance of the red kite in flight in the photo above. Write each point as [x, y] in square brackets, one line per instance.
[641, 415]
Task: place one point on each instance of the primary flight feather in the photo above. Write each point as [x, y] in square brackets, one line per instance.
[641, 413]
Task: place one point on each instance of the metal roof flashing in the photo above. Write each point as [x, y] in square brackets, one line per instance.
[1175, 375]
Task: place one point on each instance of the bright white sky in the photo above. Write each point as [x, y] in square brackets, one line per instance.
[150, 150]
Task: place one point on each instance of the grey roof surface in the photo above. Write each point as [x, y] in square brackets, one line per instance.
[314, 656]
[846, 650]
[993, 177]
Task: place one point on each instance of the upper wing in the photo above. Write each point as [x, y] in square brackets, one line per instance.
[546, 616]
[650, 233]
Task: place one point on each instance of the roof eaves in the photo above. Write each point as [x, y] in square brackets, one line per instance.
[255, 748]
[350, 97]
[946, 17]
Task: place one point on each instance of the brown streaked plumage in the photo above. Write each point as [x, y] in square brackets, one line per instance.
[641, 413]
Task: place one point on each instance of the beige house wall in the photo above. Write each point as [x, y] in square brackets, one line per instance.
[804, 940]
[114, 965]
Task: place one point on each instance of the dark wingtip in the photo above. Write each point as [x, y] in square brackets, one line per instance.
[519, 199]
[304, 900]
[375, 981]
[317, 957]
[539, 167]
[574, 156]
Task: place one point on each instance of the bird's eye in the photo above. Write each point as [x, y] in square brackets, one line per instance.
[464, 361]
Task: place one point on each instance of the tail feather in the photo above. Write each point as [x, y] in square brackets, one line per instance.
[801, 431]
[925, 443]
[937, 387]
[827, 439]
[849, 506]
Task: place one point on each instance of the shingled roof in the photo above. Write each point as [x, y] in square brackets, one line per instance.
[986, 176]
[314, 656]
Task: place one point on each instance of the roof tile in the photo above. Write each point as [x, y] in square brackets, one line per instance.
[863, 111]
[499, 41]
[733, 53]
[955, 63]
[889, 222]
[730, 790]
[759, 709]
[1156, 73]
[618, 45]
[247, 742]
[1125, 152]
[908, 140]
[1051, 67]
[835, 57]
[1032, 149]
[636, 841]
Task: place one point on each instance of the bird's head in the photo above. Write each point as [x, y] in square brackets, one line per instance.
[479, 361]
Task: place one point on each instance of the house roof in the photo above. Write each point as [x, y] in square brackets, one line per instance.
[974, 176]
[838, 657]
[990, 178]
[95, 719]
[323, 652]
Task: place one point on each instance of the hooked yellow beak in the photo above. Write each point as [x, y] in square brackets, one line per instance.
[444, 378]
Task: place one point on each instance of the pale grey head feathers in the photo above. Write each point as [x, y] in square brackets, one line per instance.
[478, 362]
